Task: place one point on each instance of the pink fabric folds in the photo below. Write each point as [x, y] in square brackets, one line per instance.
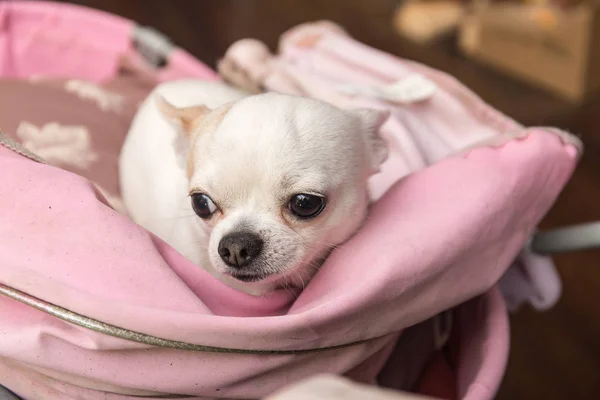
[67, 41]
[412, 259]
[321, 60]
[434, 239]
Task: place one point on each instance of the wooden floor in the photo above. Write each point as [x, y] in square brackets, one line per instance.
[555, 355]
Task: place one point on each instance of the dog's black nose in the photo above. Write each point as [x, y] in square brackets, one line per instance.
[238, 249]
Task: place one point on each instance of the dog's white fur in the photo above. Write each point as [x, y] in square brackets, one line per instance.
[250, 154]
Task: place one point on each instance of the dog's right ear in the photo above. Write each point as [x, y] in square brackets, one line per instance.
[183, 119]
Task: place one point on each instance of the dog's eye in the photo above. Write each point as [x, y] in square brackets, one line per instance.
[306, 206]
[203, 205]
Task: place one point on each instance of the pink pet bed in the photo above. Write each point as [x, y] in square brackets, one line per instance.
[94, 307]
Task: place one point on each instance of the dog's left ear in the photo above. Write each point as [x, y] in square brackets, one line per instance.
[183, 118]
[372, 121]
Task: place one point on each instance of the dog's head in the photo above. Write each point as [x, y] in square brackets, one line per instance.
[276, 182]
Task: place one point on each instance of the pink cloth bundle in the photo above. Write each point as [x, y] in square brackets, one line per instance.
[433, 116]
[95, 307]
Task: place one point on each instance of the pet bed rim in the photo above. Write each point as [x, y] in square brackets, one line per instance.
[138, 337]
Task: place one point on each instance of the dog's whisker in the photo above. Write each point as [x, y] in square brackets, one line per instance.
[301, 280]
[294, 292]
[286, 285]
[316, 266]
[321, 246]
[173, 218]
[198, 242]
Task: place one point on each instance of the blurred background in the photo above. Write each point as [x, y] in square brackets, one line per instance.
[534, 60]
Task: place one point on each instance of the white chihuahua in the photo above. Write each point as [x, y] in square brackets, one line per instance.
[274, 181]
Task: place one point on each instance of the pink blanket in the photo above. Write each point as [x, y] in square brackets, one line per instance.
[96, 307]
[433, 116]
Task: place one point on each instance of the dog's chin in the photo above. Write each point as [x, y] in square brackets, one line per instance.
[248, 278]
[292, 278]
[256, 277]
[260, 284]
